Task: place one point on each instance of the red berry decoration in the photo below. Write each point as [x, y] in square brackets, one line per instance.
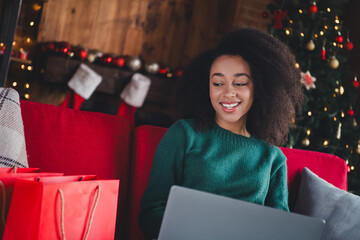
[348, 45]
[313, 8]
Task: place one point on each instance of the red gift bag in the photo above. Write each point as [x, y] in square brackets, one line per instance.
[19, 170]
[63, 208]
[7, 182]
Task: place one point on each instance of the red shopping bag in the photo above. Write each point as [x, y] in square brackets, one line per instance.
[63, 208]
[7, 183]
[19, 170]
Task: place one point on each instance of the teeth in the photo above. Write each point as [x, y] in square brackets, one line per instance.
[229, 106]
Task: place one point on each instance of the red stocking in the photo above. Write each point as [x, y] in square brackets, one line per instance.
[127, 111]
[133, 96]
[73, 100]
[82, 85]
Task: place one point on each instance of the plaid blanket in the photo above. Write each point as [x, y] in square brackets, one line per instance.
[12, 139]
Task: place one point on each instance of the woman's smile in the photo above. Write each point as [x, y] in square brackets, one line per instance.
[231, 92]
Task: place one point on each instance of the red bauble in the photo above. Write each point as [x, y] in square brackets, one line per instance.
[80, 53]
[47, 46]
[348, 45]
[313, 8]
[350, 112]
[355, 83]
[348, 169]
[163, 71]
[339, 39]
[106, 58]
[2, 50]
[179, 72]
[118, 61]
[323, 53]
[265, 14]
[62, 47]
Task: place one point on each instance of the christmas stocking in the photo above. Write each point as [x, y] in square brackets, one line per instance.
[133, 96]
[82, 85]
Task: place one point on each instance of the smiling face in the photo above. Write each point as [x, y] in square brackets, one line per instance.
[231, 92]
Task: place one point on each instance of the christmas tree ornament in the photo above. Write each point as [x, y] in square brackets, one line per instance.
[355, 124]
[358, 148]
[265, 14]
[338, 132]
[107, 58]
[348, 45]
[80, 53]
[134, 63]
[163, 70]
[93, 54]
[152, 67]
[339, 38]
[323, 53]
[47, 46]
[355, 82]
[350, 112]
[334, 63]
[2, 49]
[305, 142]
[307, 80]
[313, 8]
[119, 61]
[310, 45]
[62, 48]
[179, 72]
[279, 16]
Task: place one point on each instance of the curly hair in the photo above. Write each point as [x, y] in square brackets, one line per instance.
[278, 95]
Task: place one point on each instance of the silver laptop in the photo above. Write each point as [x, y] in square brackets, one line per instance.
[192, 214]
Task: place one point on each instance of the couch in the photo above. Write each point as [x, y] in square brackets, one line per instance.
[59, 139]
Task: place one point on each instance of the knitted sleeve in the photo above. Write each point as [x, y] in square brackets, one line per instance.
[166, 171]
[277, 196]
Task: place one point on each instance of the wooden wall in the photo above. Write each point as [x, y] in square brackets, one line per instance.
[170, 32]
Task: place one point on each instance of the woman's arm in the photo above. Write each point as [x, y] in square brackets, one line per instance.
[277, 196]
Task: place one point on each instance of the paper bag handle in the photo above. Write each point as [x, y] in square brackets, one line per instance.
[61, 194]
[14, 169]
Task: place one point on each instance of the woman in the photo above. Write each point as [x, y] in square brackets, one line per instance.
[235, 103]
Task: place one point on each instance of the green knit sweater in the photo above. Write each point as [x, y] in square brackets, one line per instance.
[216, 161]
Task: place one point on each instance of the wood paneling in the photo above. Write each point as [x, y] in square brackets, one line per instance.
[170, 32]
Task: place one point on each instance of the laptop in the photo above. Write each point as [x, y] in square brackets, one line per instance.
[192, 214]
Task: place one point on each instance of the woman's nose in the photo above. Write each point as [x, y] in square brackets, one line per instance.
[230, 91]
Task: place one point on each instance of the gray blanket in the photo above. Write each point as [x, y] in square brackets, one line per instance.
[12, 139]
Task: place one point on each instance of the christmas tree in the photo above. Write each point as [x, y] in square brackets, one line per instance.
[317, 35]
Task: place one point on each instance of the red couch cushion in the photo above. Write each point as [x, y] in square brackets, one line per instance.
[329, 167]
[59, 139]
[146, 139]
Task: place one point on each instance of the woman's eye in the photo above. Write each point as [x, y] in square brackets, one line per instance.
[217, 84]
[240, 84]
